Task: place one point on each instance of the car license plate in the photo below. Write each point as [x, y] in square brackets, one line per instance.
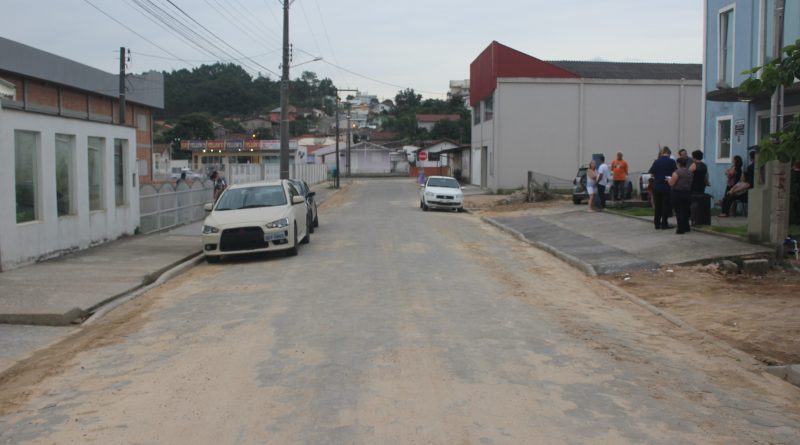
[274, 236]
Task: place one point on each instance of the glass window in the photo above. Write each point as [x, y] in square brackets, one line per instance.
[476, 114]
[488, 108]
[725, 69]
[25, 174]
[95, 161]
[724, 139]
[119, 171]
[791, 22]
[65, 152]
[768, 27]
[141, 122]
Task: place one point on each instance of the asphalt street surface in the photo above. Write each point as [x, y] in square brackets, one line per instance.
[393, 325]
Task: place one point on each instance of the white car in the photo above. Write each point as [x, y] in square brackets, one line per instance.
[441, 192]
[255, 217]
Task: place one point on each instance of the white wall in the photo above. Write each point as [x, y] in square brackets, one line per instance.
[551, 126]
[50, 234]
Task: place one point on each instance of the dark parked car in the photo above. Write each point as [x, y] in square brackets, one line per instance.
[579, 187]
[311, 204]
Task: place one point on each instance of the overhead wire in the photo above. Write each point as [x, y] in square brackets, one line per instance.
[136, 33]
[220, 39]
[328, 38]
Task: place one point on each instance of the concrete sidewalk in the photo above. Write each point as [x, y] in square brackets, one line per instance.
[65, 290]
[605, 243]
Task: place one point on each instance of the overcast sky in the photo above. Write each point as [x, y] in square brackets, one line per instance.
[386, 45]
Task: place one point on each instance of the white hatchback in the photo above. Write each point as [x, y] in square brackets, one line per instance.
[441, 192]
[255, 217]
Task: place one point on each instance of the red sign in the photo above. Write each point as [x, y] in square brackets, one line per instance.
[422, 156]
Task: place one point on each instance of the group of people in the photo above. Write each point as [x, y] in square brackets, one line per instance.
[599, 177]
[674, 182]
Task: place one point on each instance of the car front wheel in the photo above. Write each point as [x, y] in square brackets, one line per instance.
[294, 248]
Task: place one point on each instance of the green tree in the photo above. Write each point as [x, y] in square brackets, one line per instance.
[446, 129]
[783, 145]
[407, 101]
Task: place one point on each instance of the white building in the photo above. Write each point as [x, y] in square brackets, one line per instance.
[68, 168]
[550, 117]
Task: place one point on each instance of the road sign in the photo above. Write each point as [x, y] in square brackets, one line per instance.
[422, 156]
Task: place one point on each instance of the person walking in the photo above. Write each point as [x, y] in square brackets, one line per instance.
[591, 183]
[661, 171]
[619, 170]
[682, 154]
[681, 193]
[603, 177]
[181, 179]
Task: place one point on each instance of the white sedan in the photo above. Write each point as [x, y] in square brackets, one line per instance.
[255, 217]
[441, 192]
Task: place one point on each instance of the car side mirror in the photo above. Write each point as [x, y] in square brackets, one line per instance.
[298, 200]
[312, 194]
[208, 206]
[422, 186]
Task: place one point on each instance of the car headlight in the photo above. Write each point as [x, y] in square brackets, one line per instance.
[429, 194]
[209, 229]
[278, 224]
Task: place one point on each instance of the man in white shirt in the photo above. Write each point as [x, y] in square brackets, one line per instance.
[603, 177]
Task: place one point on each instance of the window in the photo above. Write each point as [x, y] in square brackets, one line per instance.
[65, 153]
[724, 139]
[95, 161]
[476, 114]
[26, 145]
[119, 171]
[141, 122]
[791, 26]
[725, 68]
[488, 108]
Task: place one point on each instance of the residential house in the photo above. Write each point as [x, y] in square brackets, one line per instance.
[365, 158]
[255, 123]
[550, 117]
[436, 158]
[738, 36]
[459, 88]
[428, 121]
[70, 168]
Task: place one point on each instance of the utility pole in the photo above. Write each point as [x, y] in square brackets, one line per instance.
[122, 85]
[779, 171]
[338, 172]
[347, 158]
[284, 162]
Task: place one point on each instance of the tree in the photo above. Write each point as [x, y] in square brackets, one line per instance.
[447, 129]
[263, 133]
[783, 145]
[193, 126]
[407, 101]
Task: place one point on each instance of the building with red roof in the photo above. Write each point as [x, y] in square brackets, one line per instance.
[550, 117]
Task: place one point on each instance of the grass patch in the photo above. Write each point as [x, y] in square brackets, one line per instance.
[635, 211]
[736, 230]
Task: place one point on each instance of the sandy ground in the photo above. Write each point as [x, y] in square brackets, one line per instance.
[758, 315]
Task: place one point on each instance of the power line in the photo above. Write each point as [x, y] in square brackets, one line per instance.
[218, 38]
[371, 78]
[206, 60]
[131, 30]
[327, 36]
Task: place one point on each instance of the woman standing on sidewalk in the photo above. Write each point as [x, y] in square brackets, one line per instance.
[681, 194]
[591, 183]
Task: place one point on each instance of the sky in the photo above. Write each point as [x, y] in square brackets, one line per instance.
[378, 47]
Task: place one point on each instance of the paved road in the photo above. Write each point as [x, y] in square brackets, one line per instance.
[393, 326]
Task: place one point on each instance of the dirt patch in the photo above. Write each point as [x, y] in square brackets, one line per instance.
[18, 382]
[497, 204]
[758, 315]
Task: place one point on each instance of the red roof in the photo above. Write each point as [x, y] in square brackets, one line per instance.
[501, 61]
[312, 148]
[437, 117]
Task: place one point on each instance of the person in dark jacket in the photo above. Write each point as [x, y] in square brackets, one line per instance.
[661, 171]
[681, 184]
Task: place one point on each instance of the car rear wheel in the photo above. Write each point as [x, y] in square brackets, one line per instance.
[576, 201]
[316, 220]
[310, 225]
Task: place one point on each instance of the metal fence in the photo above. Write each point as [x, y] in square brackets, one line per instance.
[244, 173]
[165, 206]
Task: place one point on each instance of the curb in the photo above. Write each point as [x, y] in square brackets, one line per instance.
[588, 269]
[114, 302]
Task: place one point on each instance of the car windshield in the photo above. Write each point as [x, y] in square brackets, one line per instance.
[251, 197]
[443, 182]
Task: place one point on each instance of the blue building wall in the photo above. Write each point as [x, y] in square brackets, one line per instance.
[748, 16]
